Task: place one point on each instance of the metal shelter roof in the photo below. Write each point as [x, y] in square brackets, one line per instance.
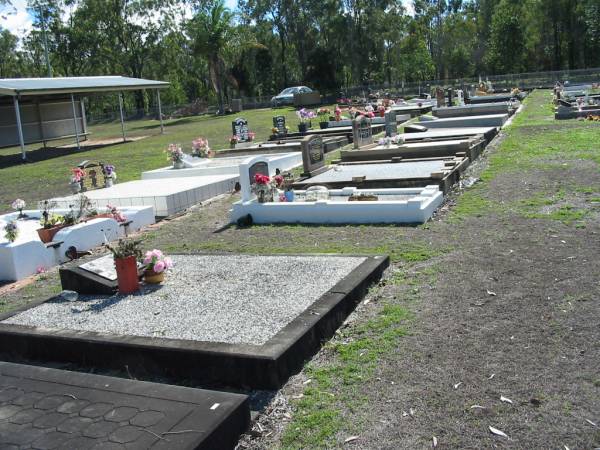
[72, 85]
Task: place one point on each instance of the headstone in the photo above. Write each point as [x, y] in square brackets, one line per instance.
[362, 132]
[449, 96]
[279, 123]
[313, 155]
[391, 124]
[239, 128]
[94, 177]
[260, 167]
[459, 98]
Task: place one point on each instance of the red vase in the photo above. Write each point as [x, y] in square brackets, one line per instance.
[127, 275]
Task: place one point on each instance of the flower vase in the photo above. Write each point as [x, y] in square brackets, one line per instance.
[178, 164]
[108, 182]
[152, 277]
[264, 196]
[127, 275]
[75, 187]
[302, 127]
[323, 125]
[289, 195]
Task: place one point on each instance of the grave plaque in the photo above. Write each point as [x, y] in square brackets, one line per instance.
[362, 132]
[391, 124]
[279, 123]
[313, 155]
[450, 96]
[103, 267]
[239, 128]
[260, 167]
[94, 177]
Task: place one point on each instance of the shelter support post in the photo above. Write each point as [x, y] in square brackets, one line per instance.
[75, 121]
[121, 114]
[160, 118]
[19, 127]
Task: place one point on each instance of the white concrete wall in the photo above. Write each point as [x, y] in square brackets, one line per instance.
[416, 210]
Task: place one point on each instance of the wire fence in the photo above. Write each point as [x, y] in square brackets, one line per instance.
[524, 81]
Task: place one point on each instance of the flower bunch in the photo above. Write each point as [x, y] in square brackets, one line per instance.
[77, 174]
[261, 179]
[11, 231]
[233, 140]
[200, 147]
[274, 130]
[381, 109]
[109, 171]
[251, 135]
[323, 112]
[156, 261]
[396, 139]
[369, 108]
[117, 215]
[19, 205]
[174, 153]
[338, 113]
[305, 115]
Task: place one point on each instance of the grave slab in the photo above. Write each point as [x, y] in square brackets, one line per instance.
[474, 110]
[165, 197]
[489, 120]
[50, 408]
[402, 174]
[244, 321]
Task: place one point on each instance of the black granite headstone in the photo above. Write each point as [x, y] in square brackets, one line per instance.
[239, 128]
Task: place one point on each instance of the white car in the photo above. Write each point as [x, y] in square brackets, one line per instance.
[286, 97]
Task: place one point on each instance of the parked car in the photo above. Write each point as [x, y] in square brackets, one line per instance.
[286, 97]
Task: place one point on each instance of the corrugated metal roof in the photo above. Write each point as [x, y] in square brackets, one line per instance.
[71, 85]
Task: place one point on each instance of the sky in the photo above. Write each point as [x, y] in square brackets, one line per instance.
[18, 20]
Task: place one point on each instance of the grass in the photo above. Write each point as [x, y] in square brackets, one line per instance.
[48, 175]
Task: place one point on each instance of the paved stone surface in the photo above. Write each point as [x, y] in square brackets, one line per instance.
[44, 408]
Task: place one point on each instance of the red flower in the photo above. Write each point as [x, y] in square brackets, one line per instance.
[261, 179]
[278, 180]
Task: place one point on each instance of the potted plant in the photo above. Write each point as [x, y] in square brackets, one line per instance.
[11, 231]
[77, 176]
[305, 116]
[19, 205]
[175, 155]
[51, 223]
[126, 254]
[200, 148]
[109, 175]
[323, 114]
[155, 266]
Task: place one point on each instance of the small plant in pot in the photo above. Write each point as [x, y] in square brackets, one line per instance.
[126, 253]
[77, 176]
[110, 175]
[155, 266]
[305, 116]
[233, 140]
[19, 205]
[11, 231]
[175, 155]
[323, 114]
[51, 223]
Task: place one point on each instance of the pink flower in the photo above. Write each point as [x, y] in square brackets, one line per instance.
[168, 262]
[157, 253]
[40, 269]
[148, 257]
[159, 267]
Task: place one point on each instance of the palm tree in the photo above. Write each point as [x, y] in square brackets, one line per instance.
[211, 30]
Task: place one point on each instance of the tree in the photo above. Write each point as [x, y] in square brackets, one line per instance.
[505, 47]
[211, 31]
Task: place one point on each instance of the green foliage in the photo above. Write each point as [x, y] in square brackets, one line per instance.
[126, 248]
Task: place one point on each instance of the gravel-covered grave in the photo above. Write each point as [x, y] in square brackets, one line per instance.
[218, 298]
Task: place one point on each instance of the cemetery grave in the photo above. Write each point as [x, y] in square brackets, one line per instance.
[194, 167]
[443, 172]
[28, 255]
[46, 408]
[475, 109]
[489, 120]
[165, 198]
[470, 147]
[253, 329]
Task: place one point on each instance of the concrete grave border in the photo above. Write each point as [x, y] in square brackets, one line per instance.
[267, 366]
